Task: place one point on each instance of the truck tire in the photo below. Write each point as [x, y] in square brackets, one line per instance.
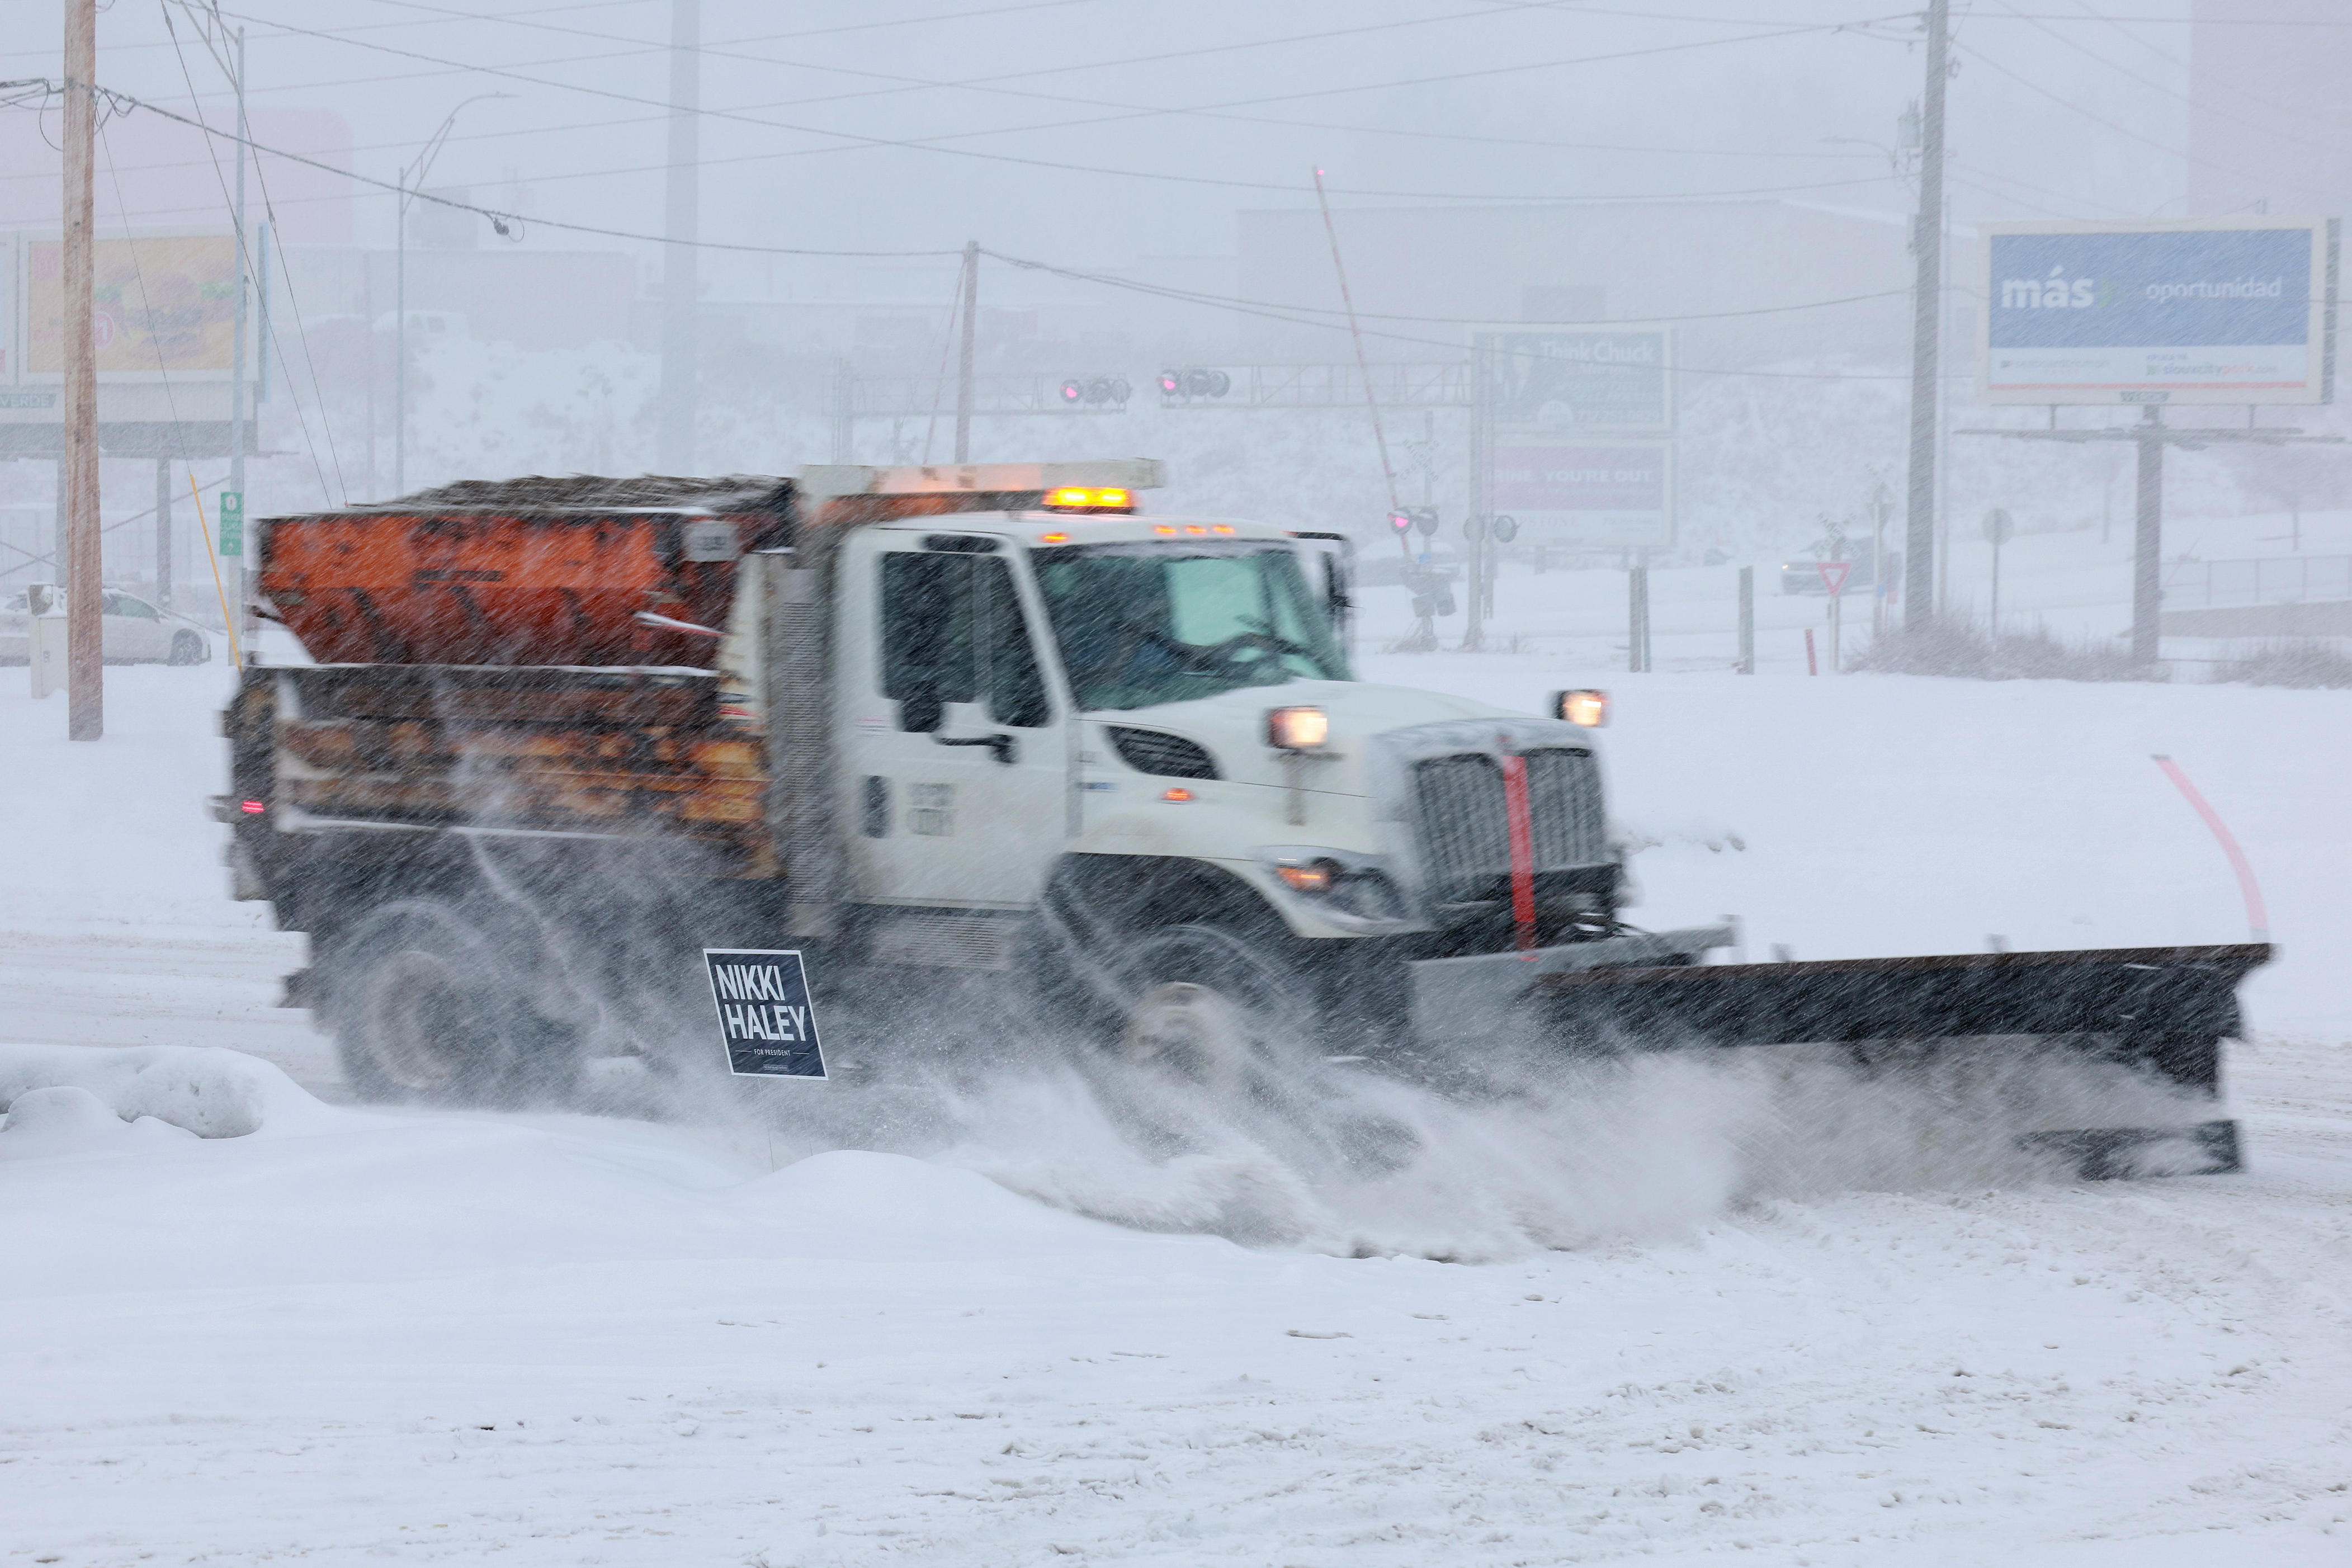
[428, 1006]
[1219, 1007]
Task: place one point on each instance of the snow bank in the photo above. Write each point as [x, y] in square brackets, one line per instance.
[206, 1090]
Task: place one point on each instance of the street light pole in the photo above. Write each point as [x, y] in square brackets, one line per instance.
[410, 177]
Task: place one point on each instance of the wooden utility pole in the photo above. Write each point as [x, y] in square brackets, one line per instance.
[85, 585]
[1926, 326]
[963, 360]
[681, 292]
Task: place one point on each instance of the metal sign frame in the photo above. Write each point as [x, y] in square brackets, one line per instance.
[2017, 274]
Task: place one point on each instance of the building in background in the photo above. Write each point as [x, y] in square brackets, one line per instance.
[2270, 120]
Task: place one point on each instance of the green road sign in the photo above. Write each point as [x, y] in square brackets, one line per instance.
[232, 522]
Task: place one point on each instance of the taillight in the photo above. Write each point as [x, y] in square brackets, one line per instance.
[251, 808]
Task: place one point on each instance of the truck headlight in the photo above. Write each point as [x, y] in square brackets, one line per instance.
[1298, 728]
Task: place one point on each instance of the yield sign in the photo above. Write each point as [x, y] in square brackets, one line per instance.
[1834, 574]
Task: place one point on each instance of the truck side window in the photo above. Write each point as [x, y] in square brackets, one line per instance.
[1016, 692]
[927, 642]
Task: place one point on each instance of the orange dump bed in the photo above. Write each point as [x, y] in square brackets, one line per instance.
[513, 574]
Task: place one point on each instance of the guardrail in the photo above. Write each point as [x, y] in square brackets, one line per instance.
[2269, 580]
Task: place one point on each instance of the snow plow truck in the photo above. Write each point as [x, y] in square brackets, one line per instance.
[997, 724]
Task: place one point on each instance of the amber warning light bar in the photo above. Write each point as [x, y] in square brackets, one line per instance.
[1090, 499]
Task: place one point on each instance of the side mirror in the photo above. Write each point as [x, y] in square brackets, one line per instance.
[1586, 706]
[922, 709]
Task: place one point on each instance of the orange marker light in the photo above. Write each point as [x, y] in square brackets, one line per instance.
[1053, 538]
[1162, 528]
[1194, 528]
[1222, 528]
[1176, 796]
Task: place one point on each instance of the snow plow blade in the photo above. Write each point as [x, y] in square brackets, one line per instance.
[2160, 1011]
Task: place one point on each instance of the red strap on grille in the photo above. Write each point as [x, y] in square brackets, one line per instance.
[1523, 850]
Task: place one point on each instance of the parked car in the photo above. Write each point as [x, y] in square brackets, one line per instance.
[134, 631]
[1860, 556]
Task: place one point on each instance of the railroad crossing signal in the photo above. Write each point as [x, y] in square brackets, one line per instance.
[1195, 382]
[1096, 391]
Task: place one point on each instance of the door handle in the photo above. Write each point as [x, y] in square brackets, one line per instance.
[1006, 749]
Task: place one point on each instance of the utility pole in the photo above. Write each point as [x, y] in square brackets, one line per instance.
[164, 533]
[1926, 320]
[232, 500]
[964, 354]
[680, 347]
[85, 585]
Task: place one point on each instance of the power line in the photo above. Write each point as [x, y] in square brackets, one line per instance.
[123, 100]
[988, 85]
[1280, 314]
[610, 4]
[2173, 92]
[247, 269]
[852, 139]
[1220, 300]
[2063, 101]
[501, 219]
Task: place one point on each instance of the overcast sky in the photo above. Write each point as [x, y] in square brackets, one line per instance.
[1094, 131]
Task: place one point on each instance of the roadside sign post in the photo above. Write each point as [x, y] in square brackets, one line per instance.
[1998, 528]
[766, 1021]
[1833, 577]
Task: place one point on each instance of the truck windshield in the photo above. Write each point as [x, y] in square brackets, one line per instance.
[1145, 623]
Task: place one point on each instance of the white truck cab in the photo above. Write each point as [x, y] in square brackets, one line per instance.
[1085, 692]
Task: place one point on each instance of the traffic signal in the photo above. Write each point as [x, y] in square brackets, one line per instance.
[1424, 518]
[1506, 527]
[1194, 382]
[1401, 521]
[1095, 392]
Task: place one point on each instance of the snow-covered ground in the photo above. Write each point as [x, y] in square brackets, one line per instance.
[558, 1339]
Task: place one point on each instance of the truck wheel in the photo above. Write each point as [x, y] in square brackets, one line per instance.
[428, 1008]
[187, 647]
[1211, 1005]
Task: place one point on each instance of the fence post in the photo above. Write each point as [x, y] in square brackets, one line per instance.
[1637, 619]
[1747, 620]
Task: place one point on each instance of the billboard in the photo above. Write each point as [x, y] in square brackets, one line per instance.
[163, 305]
[2233, 311]
[1564, 381]
[1615, 495]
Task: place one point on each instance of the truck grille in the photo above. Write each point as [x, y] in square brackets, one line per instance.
[1466, 836]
